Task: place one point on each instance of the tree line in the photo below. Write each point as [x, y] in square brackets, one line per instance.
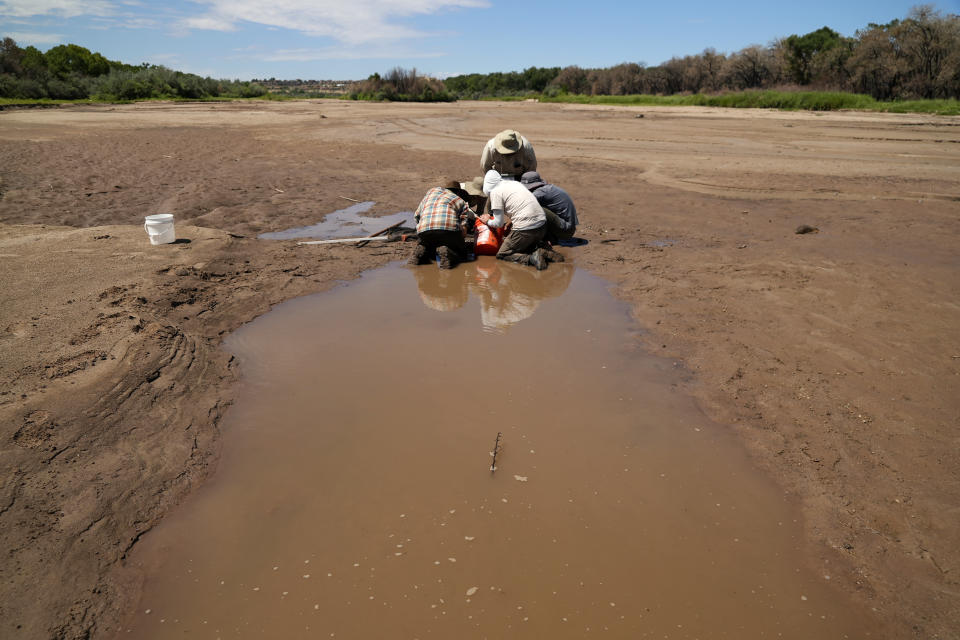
[477, 85]
[401, 85]
[916, 57]
[71, 72]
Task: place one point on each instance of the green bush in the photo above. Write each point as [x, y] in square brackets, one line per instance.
[72, 72]
[64, 90]
[27, 88]
[401, 85]
[788, 100]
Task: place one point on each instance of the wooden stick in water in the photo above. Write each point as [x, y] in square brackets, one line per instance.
[381, 232]
[496, 450]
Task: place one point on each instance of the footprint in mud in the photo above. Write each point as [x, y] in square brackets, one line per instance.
[16, 330]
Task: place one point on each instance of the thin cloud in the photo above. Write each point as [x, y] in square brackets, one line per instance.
[345, 53]
[164, 57]
[126, 21]
[25, 37]
[63, 8]
[210, 23]
[356, 22]
[138, 23]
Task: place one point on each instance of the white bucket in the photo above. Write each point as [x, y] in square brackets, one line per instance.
[160, 228]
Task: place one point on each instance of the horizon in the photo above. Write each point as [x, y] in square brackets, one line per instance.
[327, 40]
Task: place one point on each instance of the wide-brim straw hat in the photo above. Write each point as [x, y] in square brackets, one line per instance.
[474, 187]
[455, 187]
[507, 141]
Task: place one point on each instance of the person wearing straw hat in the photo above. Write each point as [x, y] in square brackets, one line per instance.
[509, 154]
[443, 221]
[527, 223]
[476, 198]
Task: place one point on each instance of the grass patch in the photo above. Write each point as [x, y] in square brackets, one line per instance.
[940, 107]
[787, 100]
[27, 102]
[106, 99]
[532, 96]
[286, 97]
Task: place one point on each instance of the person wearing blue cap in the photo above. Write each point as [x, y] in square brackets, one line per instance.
[557, 204]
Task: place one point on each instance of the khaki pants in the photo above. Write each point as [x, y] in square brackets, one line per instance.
[554, 231]
[518, 245]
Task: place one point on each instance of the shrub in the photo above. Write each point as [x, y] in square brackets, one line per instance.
[400, 85]
[64, 90]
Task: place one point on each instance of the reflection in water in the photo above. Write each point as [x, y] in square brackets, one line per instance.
[442, 289]
[508, 292]
[345, 223]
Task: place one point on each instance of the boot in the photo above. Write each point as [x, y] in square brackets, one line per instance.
[538, 260]
[445, 258]
[418, 255]
[551, 255]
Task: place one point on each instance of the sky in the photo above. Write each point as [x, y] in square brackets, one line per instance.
[351, 39]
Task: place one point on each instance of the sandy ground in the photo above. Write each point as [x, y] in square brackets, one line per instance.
[833, 355]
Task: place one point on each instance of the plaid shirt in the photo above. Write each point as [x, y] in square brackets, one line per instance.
[440, 210]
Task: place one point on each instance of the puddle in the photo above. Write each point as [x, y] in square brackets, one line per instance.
[345, 223]
[354, 497]
[506, 294]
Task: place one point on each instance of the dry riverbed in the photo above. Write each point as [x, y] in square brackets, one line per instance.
[834, 355]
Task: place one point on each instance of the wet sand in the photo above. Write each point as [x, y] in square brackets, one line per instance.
[830, 356]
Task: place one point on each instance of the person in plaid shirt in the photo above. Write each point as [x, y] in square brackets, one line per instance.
[443, 221]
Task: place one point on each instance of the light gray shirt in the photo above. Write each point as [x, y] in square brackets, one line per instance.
[513, 199]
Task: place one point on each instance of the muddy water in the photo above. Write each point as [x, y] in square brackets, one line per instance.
[344, 223]
[354, 498]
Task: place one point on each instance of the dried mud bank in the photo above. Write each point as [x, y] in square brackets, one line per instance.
[112, 398]
[832, 354]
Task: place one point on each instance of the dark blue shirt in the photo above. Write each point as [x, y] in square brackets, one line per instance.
[552, 197]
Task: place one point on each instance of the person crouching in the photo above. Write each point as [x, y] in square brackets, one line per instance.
[527, 222]
[557, 205]
[443, 220]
